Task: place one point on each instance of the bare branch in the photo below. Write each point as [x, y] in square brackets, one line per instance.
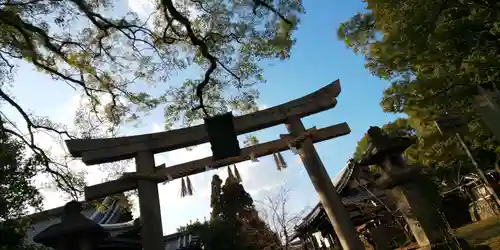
[62, 181]
[106, 59]
[276, 210]
[258, 3]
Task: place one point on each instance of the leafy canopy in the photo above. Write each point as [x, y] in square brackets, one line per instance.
[435, 54]
[17, 191]
[122, 64]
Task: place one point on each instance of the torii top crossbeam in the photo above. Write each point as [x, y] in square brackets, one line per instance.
[143, 148]
[97, 151]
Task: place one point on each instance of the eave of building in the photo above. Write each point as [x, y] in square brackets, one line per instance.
[340, 181]
[53, 216]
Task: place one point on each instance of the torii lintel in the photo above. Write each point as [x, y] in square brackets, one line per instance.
[97, 151]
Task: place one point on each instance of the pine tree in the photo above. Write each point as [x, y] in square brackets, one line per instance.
[215, 195]
[234, 223]
[240, 221]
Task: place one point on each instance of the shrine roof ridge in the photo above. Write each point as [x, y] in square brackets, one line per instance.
[96, 151]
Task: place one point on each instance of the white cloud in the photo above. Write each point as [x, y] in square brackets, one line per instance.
[145, 9]
[157, 128]
[176, 211]
[55, 147]
[259, 178]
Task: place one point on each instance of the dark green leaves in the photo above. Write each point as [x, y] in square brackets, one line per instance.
[235, 223]
[435, 53]
[17, 170]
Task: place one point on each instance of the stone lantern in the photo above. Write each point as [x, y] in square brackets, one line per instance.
[405, 185]
[74, 232]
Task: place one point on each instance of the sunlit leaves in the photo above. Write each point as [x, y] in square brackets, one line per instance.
[435, 53]
[250, 140]
[124, 65]
[16, 172]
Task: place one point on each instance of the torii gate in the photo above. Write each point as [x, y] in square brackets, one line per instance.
[147, 177]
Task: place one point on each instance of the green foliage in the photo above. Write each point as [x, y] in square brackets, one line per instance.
[250, 140]
[435, 53]
[122, 63]
[233, 201]
[444, 156]
[17, 191]
[112, 55]
[235, 223]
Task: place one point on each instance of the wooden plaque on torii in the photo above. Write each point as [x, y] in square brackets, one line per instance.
[143, 148]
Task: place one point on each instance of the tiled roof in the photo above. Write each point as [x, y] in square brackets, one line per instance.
[340, 181]
[46, 218]
[342, 178]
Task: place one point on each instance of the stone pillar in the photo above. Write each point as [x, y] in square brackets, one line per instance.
[406, 186]
[332, 204]
[149, 204]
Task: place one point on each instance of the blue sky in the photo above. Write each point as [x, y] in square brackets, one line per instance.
[318, 58]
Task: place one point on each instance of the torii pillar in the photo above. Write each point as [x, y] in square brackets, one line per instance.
[149, 203]
[142, 148]
[334, 208]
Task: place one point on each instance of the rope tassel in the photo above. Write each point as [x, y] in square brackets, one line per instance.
[279, 166]
[189, 186]
[229, 173]
[236, 173]
[183, 188]
[281, 160]
[169, 179]
[293, 149]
